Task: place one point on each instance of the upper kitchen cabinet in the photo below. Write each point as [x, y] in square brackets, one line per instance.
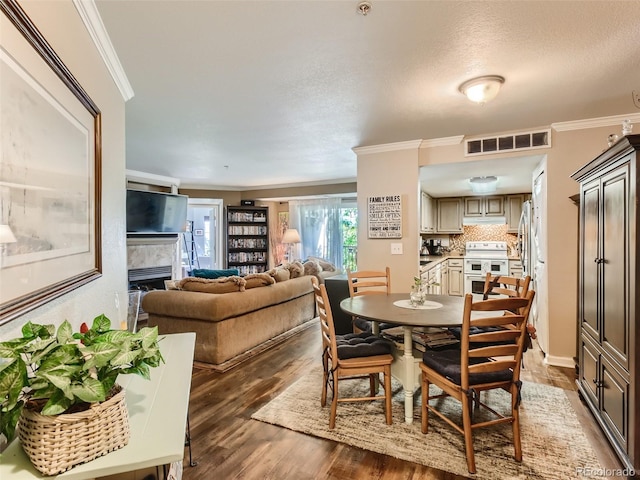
[450, 212]
[427, 214]
[487, 206]
[513, 211]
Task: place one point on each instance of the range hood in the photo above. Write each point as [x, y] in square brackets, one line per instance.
[484, 220]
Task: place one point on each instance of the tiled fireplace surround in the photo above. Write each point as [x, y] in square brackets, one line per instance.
[153, 259]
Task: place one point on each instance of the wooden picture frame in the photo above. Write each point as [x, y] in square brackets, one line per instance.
[50, 174]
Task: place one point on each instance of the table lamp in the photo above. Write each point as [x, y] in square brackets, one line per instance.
[290, 238]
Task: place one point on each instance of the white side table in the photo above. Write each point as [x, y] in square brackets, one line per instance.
[157, 415]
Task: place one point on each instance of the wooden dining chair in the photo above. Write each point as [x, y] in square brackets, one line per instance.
[505, 285]
[350, 357]
[486, 360]
[368, 282]
[510, 287]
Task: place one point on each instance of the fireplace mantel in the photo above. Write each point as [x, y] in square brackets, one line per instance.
[154, 251]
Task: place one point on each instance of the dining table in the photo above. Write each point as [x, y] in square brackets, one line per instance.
[395, 308]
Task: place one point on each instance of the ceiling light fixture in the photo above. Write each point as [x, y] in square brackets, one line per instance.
[482, 89]
[364, 8]
[482, 185]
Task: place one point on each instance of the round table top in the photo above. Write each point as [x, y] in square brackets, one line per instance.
[381, 308]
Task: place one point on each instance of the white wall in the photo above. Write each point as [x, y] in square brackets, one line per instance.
[62, 27]
[391, 172]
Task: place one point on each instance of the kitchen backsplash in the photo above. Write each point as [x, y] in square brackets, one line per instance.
[476, 233]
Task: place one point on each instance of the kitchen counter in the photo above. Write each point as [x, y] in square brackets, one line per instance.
[435, 260]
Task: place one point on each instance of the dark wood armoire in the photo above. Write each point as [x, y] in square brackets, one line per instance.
[608, 300]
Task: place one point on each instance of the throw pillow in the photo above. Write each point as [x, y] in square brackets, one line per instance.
[296, 269]
[312, 267]
[280, 274]
[216, 285]
[258, 280]
[206, 273]
[326, 266]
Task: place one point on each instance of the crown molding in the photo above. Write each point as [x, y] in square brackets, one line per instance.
[151, 179]
[442, 142]
[387, 147]
[595, 122]
[93, 23]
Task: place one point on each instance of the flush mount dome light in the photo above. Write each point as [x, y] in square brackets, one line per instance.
[482, 89]
[483, 184]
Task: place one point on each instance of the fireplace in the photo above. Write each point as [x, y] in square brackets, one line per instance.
[149, 278]
[152, 260]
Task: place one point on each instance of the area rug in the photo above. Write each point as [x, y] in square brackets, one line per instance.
[553, 443]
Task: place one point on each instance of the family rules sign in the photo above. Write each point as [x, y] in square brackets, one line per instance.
[384, 215]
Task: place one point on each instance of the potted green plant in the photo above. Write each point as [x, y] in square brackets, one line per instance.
[49, 373]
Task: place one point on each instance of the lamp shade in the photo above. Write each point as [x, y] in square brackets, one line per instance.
[291, 235]
[483, 184]
[482, 89]
[6, 235]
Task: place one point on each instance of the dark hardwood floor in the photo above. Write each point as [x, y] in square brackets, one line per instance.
[227, 444]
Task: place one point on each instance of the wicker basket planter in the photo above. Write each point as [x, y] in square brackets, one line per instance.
[56, 443]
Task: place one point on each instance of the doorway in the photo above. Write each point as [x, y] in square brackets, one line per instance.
[203, 243]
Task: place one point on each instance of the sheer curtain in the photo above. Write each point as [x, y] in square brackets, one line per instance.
[318, 222]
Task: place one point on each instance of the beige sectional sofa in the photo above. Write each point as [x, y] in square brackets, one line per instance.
[249, 314]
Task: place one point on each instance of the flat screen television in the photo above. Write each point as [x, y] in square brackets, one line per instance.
[151, 212]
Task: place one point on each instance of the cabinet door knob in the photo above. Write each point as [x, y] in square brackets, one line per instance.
[598, 260]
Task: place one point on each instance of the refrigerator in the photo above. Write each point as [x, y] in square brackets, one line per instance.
[531, 246]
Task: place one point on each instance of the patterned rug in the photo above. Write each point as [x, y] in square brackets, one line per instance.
[553, 443]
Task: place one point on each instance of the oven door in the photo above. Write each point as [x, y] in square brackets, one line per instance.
[474, 284]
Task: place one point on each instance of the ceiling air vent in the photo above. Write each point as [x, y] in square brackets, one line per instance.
[507, 143]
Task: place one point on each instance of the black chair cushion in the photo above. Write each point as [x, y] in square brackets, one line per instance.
[457, 331]
[447, 364]
[365, 325]
[355, 345]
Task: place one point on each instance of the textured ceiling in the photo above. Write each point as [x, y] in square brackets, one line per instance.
[250, 94]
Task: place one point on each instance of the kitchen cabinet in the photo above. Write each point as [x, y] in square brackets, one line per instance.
[444, 279]
[456, 279]
[513, 211]
[485, 206]
[449, 215]
[427, 214]
[515, 268]
[432, 278]
[608, 307]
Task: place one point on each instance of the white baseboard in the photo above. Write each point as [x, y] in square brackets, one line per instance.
[556, 361]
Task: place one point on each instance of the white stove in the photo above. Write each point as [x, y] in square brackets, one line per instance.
[481, 258]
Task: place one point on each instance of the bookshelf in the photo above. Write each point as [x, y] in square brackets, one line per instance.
[247, 239]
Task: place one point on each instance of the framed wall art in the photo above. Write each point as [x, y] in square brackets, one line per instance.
[384, 216]
[50, 166]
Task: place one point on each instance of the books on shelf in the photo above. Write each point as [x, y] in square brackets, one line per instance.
[423, 337]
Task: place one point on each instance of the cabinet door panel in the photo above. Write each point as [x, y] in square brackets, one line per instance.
[615, 401]
[615, 327]
[589, 370]
[513, 210]
[590, 254]
[449, 215]
[473, 207]
[456, 282]
[494, 206]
